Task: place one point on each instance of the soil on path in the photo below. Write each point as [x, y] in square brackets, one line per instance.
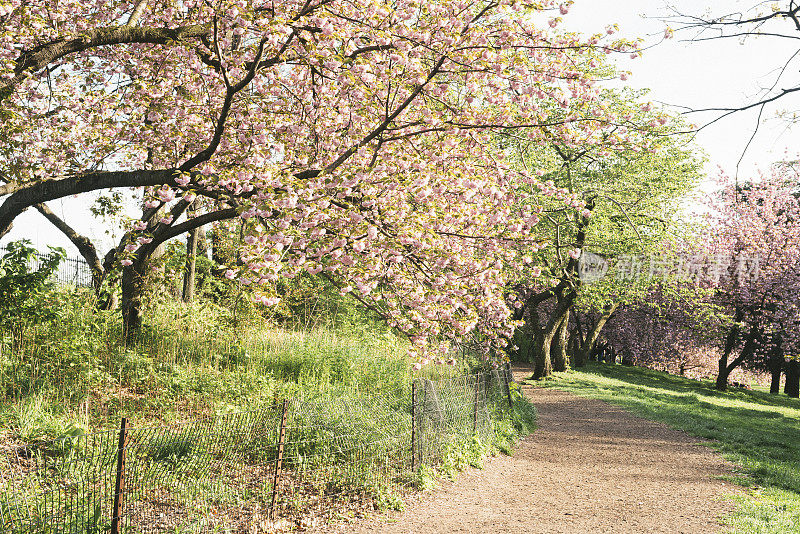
[590, 467]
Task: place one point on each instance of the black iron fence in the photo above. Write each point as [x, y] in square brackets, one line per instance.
[71, 271]
[296, 461]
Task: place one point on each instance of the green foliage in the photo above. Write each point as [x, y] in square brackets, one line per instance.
[424, 478]
[22, 289]
[35, 420]
[389, 500]
[754, 429]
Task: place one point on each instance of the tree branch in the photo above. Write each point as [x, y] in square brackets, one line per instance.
[81, 242]
[35, 59]
[47, 190]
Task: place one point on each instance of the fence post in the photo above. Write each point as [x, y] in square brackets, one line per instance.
[119, 485]
[279, 460]
[475, 408]
[413, 424]
[508, 387]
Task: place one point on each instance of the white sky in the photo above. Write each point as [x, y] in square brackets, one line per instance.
[713, 73]
[716, 73]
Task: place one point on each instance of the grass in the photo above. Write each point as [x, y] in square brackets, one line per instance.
[200, 387]
[758, 431]
[190, 361]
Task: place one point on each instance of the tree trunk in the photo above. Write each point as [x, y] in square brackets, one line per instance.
[132, 289]
[775, 365]
[775, 380]
[107, 299]
[543, 365]
[592, 335]
[573, 346]
[722, 374]
[559, 356]
[731, 341]
[792, 385]
[191, 262]
[747, 352]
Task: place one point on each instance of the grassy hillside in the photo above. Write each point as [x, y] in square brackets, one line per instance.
[190, 361]
[758, 431]
[202, 389]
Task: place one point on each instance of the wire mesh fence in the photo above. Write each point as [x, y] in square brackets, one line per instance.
[70, 271]
[301, 461]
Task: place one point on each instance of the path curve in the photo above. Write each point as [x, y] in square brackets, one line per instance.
[590, 467]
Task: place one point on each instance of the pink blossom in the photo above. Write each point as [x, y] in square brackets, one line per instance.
[230, 274]
[126, 262]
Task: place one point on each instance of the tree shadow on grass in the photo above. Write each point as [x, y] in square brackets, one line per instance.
[757, 430]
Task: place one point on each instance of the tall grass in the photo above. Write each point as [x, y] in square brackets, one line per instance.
[189, 361]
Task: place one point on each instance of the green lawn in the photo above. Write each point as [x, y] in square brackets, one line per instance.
[758, 431]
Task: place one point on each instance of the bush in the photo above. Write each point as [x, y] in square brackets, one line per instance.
[23, 291]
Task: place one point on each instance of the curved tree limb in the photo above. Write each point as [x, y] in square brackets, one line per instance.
[81, 242]
[35, 59]
[48, 190]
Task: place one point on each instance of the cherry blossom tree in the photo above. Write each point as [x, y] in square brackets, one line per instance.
[671, 328]
[356, 140]
[742, 303]
[756, 237]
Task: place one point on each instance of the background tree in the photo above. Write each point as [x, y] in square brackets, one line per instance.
[631, 197]
[756, 237]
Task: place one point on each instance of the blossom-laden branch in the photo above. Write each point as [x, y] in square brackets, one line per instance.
[279, 113]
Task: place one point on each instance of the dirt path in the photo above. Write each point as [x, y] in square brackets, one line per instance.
[589, 468]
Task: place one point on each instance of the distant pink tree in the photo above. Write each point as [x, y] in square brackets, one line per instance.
[755, 239]
[741, 302]
[660, 332]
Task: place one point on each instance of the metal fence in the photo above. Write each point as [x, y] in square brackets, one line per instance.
[71, 271]
[298, 461]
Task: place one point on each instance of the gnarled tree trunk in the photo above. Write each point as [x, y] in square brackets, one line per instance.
[559, 356]
[131, 304]
[591, 336]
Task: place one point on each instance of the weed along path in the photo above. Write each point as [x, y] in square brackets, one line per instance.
[589, 468]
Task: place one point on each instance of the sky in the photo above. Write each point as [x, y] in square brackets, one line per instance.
[681, 73]
[685, 73]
